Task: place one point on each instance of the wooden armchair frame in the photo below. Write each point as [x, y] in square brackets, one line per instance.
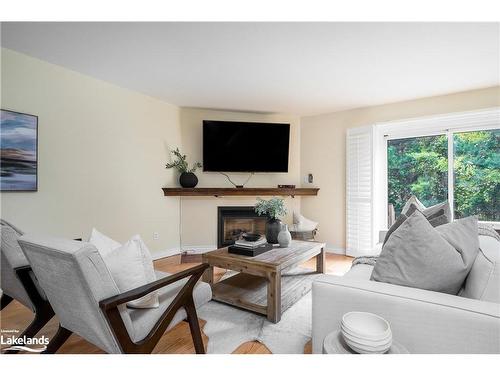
[42, 309]
[109, 307]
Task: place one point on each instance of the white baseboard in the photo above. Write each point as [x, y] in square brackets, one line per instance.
[165, 253]
[334, 249]
[191, 250]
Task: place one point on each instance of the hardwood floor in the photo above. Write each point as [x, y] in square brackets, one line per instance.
[176, 341]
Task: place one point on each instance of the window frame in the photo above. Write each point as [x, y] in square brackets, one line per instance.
[487, 119]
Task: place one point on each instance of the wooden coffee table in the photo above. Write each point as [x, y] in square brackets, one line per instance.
[269, 283]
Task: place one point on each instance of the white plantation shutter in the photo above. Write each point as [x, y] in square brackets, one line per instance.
[359, 191]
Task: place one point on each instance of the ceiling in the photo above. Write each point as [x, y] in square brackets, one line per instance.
[298, 68]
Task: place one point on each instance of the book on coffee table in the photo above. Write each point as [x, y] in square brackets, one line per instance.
[251, 252]
[250, 244]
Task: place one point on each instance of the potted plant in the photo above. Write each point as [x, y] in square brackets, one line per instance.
[187, 179]
[273, 209]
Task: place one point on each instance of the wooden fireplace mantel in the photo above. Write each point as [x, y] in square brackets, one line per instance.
[219, 192]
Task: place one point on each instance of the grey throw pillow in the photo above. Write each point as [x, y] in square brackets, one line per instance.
[438, 214]
[420, 256]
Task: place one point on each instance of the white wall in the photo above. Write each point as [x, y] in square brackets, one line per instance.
[102, 151]
[323, 150]
[199, 215]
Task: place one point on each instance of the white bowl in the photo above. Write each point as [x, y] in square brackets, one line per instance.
[367, 343]
[366, 325]
[364, 350]
[368, 340]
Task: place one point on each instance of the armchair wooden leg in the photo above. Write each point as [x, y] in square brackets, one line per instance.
[5, 300]
[42, 317]
[194, 326]
[57, 341]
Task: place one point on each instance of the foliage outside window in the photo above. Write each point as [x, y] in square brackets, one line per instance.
[477, 174]
[419, 166]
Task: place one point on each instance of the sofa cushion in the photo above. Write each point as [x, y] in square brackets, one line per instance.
[144, 320]
[483, 281]
[420, 256]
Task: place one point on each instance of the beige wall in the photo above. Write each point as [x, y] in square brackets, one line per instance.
[102, 151]
[323, 150]
[199, 215]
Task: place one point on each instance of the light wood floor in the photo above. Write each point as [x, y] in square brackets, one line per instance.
[176, 341]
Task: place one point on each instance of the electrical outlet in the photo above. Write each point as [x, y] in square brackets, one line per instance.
[156, 236]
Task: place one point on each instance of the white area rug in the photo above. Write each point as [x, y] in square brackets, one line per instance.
[228, 327]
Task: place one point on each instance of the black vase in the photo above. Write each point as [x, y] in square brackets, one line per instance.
[188, 180]
[273, 227]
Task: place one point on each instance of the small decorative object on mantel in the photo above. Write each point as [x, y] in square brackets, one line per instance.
[187, 179]
[284, 236]
[273, 209]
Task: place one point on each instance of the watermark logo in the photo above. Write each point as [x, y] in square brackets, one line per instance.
[26, 344]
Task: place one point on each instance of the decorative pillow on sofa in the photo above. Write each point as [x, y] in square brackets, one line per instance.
[130, 265]
[420, 256]
[438, 214]
[412, 200]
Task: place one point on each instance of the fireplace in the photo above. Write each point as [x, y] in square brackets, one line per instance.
[234, 221]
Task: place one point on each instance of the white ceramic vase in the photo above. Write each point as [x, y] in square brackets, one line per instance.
[284, 236]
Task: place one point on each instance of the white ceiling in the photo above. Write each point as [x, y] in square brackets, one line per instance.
[300, 68]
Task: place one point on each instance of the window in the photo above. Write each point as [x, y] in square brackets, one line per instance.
[454, 157]
[460, 164]
[417, 166]
[477, 174]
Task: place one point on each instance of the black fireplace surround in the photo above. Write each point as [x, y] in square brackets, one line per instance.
[234, 212]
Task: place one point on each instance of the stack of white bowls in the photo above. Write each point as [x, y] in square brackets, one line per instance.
[366, 333]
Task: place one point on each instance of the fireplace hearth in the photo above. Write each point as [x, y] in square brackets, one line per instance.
[234, 221]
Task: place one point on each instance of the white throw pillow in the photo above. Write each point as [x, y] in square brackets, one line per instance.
[103, 243]
[130, 265]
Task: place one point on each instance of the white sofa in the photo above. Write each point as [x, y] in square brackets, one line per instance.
[421, 320]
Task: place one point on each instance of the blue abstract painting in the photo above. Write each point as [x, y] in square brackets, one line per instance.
[18, 151]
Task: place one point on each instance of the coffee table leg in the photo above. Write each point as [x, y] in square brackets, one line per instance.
[320, 261]
[208, 275]
[274, 297]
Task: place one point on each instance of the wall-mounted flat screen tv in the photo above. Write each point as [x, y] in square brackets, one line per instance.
[230, 146]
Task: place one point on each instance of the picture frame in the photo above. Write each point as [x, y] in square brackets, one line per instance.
[18, 151]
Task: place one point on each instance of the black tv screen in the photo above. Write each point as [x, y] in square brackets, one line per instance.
[245, 146]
